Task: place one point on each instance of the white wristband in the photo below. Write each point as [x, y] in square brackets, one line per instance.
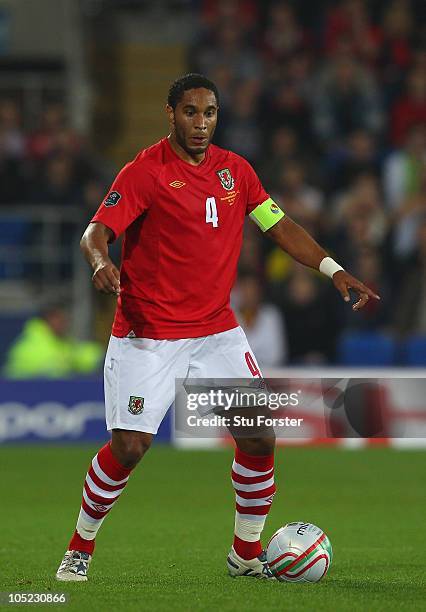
[329, 267]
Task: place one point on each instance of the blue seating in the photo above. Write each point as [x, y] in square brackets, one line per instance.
[12, 231]
[10, 328]
[414, 351]
[366, 349]
[13, 236]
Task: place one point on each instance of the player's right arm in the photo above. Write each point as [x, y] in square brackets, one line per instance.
[94, 244]
[129, 197]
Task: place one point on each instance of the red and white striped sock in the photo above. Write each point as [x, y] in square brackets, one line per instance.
[104, 484]
[253, 481]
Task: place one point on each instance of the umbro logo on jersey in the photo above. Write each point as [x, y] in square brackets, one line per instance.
[226, 178]
[177, 184]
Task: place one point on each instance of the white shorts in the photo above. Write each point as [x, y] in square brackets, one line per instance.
[140, 373]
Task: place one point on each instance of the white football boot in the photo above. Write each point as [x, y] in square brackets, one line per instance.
[256, 568]
[74, 566]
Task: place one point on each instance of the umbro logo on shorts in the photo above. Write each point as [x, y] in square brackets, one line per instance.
[177, 184]
[136, 404]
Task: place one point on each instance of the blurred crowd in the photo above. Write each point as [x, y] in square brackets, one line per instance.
[49, 163]
[328, 101]
[44, 162]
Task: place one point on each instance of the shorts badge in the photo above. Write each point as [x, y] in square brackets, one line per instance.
[112, 198]
[226, 178]
[136, 404]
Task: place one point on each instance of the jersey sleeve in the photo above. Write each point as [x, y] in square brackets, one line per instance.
[260, 206]
[129, 197]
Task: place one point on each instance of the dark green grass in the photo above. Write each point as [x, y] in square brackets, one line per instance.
[164, 545]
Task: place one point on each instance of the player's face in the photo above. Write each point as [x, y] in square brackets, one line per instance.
[194, 120]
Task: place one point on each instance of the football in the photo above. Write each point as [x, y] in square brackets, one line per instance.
[299, 552]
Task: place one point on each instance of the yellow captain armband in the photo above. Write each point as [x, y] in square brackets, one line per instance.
[266, 215]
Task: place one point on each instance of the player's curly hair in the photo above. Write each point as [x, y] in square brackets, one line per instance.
[189, 81]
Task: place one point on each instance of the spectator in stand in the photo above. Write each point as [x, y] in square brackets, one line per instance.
[47, 140]
[14, 141]
[279, 148]
[410, 108]
[15, 174]
[241, 132]
[410, 310]
[14, 171]
[59, 183]
[62, 160]
[227, 46]
[360, 219]
[223, 76]
[46, 350]
[215, 13]
[396, 55]
[299, 70]
[350, 20]
[358, 154]
[375, 316]
[404, 181]
[301, 201]
[261, 321]
[311, 317]
[94, 192]
[286, 106]
[419, 57]
[282, 39]
[346, 100]
[68, 144]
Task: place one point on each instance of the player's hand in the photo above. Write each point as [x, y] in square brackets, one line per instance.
[344, 281]
[106, 278]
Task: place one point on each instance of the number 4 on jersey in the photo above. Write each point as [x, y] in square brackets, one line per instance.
[211, 212]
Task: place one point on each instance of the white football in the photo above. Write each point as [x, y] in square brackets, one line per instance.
[299, 552]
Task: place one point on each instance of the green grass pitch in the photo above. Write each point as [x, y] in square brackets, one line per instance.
[164, 545]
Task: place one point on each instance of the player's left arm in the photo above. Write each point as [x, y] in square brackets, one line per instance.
[293, 239]
[297, 242]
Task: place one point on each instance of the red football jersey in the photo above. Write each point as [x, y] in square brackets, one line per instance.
[183, 229]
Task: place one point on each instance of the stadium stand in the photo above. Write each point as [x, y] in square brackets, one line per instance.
[366, 349]
[327, 101]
